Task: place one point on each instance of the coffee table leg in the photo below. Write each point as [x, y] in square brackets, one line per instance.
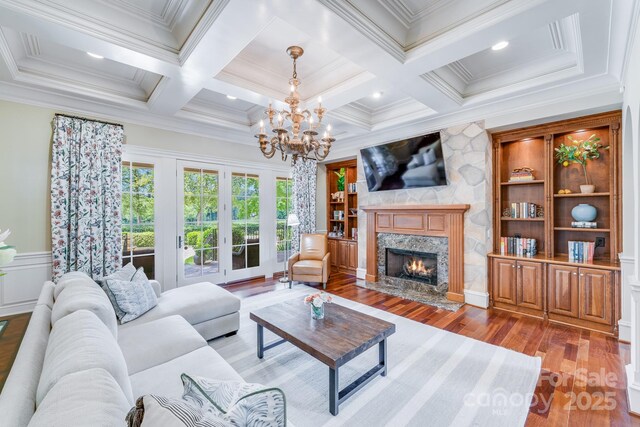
[382, 356]
[260, 341]
[334, 399]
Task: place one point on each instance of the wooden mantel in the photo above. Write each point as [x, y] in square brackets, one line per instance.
[420, 220]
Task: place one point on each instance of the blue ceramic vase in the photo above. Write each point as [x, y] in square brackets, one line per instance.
[584, 212]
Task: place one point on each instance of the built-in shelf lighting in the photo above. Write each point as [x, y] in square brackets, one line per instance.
[232, 97]
[95, 55]
[500, 45]
[376, 95]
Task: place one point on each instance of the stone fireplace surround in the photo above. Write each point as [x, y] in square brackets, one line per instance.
[419, 220]
[428, 244]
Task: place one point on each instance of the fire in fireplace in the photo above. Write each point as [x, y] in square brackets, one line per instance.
[412, 265]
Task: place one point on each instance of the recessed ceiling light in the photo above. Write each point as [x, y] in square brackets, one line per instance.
[95, 55]
[500, 45]
[376, 95]
[232, 97]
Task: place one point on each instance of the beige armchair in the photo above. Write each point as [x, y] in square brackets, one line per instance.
[311, 264]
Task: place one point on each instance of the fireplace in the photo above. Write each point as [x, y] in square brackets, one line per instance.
[412, 265]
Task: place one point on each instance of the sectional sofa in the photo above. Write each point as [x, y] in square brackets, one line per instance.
[78, 366]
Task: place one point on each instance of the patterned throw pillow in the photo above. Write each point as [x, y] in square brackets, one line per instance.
[154, 411]
[133, 298]
[125, 273]
[242, 404]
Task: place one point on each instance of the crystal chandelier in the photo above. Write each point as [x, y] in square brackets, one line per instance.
[290, 138]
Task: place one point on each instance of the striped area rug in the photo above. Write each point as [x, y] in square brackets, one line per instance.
[435, 378]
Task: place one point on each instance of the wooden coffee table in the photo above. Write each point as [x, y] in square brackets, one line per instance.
[342, 335]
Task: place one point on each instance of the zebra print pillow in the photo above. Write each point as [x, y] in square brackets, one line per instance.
[241, 403]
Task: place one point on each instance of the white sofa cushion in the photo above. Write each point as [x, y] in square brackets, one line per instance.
[93, 299]
[153, 343]
[80, 341]
[73, 278]
[87, 398]
[196, 303]
[17, 400]
[164, 379]
[46, 294]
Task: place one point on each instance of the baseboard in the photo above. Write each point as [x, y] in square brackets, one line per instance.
[633, 391]
[624, 331]
[478, 299]
[361, 273]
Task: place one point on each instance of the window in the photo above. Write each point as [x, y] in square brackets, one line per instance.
[138, 230]
[245, 220]
[201, 191]
[284, 206]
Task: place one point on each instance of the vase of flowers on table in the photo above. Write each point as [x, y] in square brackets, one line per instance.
[7, 253]
[316, 302]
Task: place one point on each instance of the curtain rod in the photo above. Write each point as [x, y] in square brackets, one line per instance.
[92, 120]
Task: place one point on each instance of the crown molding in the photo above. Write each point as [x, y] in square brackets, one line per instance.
[141, 116]
[210, 16]
[600, 92]
[443, 86]
[103, 30]
[365, 26]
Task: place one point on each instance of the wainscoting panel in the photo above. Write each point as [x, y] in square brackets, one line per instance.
[20, 287]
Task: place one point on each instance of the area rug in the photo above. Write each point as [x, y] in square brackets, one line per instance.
[435, 378]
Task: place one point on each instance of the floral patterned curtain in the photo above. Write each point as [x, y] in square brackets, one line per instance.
[304, 199]
[86, 178]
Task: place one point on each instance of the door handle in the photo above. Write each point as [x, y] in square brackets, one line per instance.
[575, 274]
[179, 242]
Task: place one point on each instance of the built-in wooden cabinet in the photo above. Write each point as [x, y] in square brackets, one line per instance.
[563, 290]
[529, 285]
[595, 295]
[549, 284]
[344, 249]
[519, 285]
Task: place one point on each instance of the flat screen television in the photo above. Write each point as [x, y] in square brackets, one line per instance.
[409, 163]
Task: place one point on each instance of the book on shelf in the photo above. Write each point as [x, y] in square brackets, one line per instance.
[581, 251]
[584, 224]
[523, 210]
[518, 246]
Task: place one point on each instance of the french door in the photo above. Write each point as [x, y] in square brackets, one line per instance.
[218, 223]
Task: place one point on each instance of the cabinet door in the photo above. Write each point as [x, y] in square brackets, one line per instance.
[562, 289]
[595, 296]
[333, 249]
[529, 284]
[504, 281]
[343, 254]
[353, 255]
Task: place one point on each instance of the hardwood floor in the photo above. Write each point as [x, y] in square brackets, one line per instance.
[10, 342]
[582, 382]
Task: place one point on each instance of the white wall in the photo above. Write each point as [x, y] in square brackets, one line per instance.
[25, 141]
[631, 213]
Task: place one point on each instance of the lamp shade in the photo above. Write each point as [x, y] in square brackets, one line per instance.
[293, 220]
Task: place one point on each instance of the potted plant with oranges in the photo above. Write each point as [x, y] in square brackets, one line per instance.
[580, 151]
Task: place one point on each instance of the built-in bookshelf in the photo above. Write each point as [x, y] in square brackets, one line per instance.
[550, 283]
[342, 215]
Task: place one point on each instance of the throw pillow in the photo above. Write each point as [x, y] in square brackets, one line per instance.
[153, 411]
[125, 273]
[241, 403]
[133, 298]
[416, 160]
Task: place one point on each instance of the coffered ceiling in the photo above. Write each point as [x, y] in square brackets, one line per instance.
[210, 67]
